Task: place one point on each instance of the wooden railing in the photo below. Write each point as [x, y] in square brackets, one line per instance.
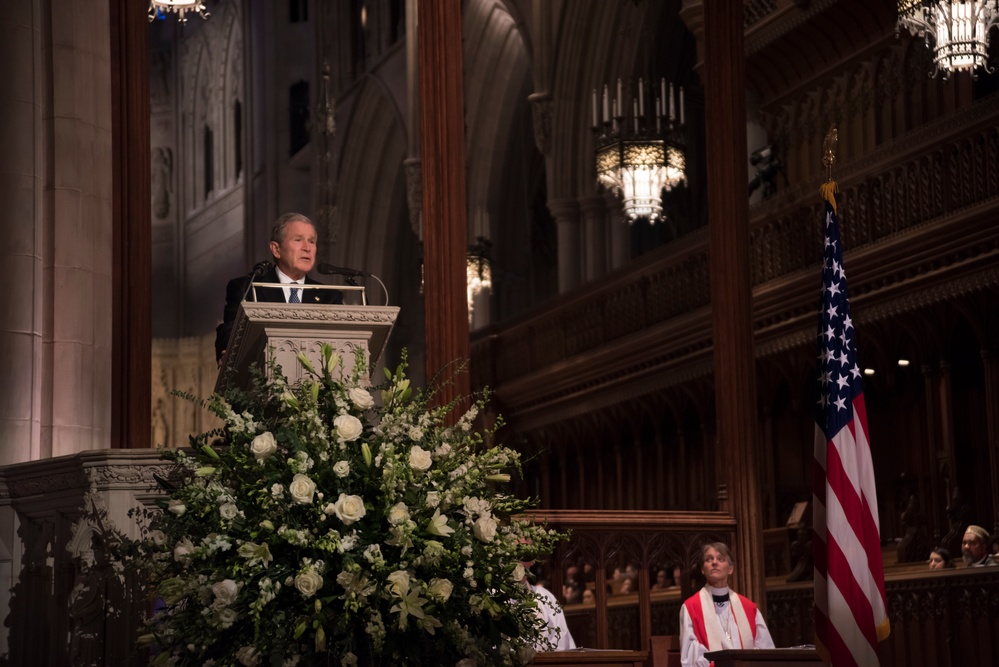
[947, 172]
[940, 618]
[607, 540]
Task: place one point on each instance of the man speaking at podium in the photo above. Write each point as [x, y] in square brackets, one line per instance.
[293, 245]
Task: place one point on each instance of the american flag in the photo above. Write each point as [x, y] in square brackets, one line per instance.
[850, 616]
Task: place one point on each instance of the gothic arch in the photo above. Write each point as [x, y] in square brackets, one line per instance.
[497, 84]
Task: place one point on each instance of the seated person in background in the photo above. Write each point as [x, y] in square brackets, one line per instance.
[717, 618]
[662, 580]
[626, 587]
[571, 592]
[974, 549]
[677, 576]
[589, 597]
[940, 559]
[293, 245]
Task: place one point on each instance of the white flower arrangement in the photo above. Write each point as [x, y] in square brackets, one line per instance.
[328, 530]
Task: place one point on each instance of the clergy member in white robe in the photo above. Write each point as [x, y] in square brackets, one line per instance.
[716, 617]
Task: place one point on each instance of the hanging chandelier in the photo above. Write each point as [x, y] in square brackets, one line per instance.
[160, 8]
[639, 155]
[956, 31]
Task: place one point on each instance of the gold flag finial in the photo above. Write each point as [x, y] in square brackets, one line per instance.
[829, 188]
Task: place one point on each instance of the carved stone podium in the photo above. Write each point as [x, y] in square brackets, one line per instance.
[289, 328]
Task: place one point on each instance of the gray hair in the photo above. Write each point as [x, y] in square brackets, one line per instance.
[277, 232]
[722, 550]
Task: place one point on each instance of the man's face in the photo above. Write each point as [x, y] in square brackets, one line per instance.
[716, 568]
[972, 548]
[296, 254]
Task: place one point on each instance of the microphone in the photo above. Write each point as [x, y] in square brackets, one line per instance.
[261, 267]
[330, 270]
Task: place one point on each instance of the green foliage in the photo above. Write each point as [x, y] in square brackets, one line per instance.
[324, 526]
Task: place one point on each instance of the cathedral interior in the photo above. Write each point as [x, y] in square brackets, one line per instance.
[146, 161]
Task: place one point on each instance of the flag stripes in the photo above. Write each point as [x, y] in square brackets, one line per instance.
[850, 610]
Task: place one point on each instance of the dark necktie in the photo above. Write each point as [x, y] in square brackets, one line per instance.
[294, 297]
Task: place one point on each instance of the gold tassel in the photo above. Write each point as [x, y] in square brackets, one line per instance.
[828, 191]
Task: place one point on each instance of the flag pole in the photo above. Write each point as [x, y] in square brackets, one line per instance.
[850, 606]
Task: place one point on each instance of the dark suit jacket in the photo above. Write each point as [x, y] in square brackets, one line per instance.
[237, 287]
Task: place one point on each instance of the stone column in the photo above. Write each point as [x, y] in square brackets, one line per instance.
[444, 227]
[566, 213]
[22, 255]
[618, 233]
[414, 169]
[731, 295]
[595, 237]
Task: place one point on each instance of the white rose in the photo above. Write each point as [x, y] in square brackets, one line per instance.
[398, 514]
[485, 528]
[228, 511]
[249, 656]
[361, 398]
[398, 583]
[225, 591]
[433, 498]
[349, 508]
[518, 573]
[177, 506]
[226, 616]
[440, 589]
[308, 583]
[263, 446]
[183, 550]
[277, 490]
[158, 537]
[348, 427]
[415, 433]
[419, 458]
[341, 469]
[302, 489]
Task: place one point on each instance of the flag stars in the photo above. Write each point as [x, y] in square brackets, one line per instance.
[840, 403]
[832, 311]
[830, 333]
[855, 371]
[833, 289]
[842, 381]
[846, 340]
[847, 323]
[843, 358]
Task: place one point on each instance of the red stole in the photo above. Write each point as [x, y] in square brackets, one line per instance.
[696, 613]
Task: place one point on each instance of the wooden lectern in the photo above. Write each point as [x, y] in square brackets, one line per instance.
[783, 657]
[290, 328]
